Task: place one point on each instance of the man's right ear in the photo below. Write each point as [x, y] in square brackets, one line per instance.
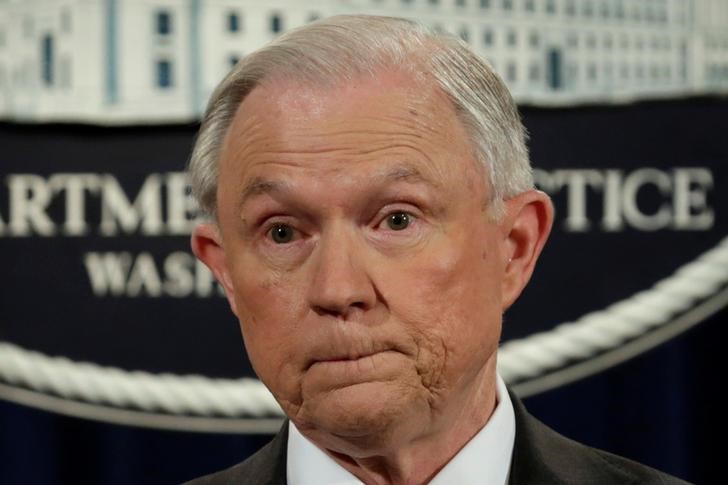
[207, 246]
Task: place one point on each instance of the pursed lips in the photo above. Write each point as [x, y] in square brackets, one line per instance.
[348, 357]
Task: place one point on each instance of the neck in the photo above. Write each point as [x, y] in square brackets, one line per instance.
[419, 459]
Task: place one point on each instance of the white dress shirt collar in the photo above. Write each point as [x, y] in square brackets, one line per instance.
[486, 458]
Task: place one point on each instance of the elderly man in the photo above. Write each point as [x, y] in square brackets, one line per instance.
[374, 216]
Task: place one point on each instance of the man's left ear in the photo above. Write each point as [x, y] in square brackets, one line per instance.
[526, 225]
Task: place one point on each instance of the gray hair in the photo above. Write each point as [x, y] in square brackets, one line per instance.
[345, 47]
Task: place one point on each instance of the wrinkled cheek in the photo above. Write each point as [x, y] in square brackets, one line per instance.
[432, 359]
[452, 313]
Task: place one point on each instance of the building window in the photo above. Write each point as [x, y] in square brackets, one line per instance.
[662, 15]
[164, 23]
[573, 41]
[619, 10]
[570, 8]
[591, 41]
[460, 3]
[511, 73]
[591, 72]
[276, 23]
[588, 9]
[46, 66]
[233, 60]
[488, 37]
[529, 6]
[572, 73]
[313, 17]
[507, 4]
[64, 72]
[654, 71]
[434, 2]
[28, 27]
[604, 12]
[551, 6]
[533, 39]
[534, 72]
[233, 22]
[66, 21]
[554, 77]
[607, 41]
[484, 3]
[624, 71]
[637, 13]
[164, 73]
[464, 34]
[649, 14]
[512, 39]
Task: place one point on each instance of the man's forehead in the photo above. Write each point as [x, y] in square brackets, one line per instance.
[283, 112]
[404, 172]
[393, 126]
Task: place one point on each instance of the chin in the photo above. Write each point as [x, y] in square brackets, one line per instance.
[364, 416]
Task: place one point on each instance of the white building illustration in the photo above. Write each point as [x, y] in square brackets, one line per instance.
[152, 61]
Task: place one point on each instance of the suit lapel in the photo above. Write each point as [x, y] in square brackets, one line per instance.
[531, 462]
[268, 465]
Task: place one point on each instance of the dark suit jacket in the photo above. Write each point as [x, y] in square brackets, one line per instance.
[541, 456]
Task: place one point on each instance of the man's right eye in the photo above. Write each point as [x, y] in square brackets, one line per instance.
[281, 233]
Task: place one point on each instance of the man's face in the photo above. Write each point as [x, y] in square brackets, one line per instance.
[359, 257]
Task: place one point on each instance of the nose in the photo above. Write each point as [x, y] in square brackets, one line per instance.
[340, 285]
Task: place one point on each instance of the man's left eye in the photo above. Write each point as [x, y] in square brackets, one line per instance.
[281, 233]
[398, 221]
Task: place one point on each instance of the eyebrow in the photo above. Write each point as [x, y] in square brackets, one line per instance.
[259, 186]
[410, 174]
[406, 173]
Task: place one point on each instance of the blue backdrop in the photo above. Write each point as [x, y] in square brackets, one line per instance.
[662, 408]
